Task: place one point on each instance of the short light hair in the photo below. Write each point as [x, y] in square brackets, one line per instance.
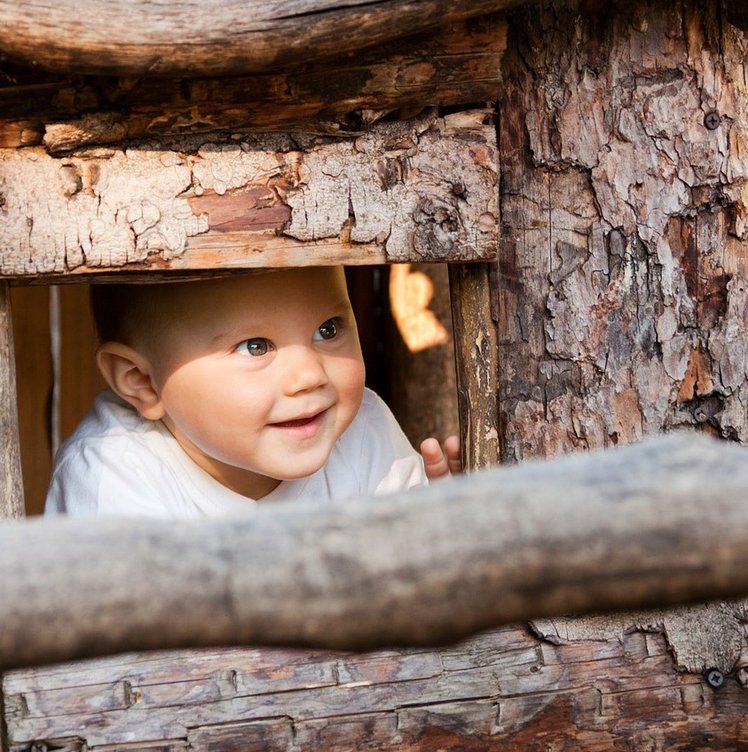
[129, 313]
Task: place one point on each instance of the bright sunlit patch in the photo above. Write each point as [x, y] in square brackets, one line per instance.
[410, 295]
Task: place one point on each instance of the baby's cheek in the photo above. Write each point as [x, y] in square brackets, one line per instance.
[351, 386]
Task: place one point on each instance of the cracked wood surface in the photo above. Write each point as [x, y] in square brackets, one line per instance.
[423, 190]
[624, 202]
[504, 690]
[456, 64]
[11, 484]
[187, 37]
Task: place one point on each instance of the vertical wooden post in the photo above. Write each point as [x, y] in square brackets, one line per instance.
[11, 486]
[476, 343]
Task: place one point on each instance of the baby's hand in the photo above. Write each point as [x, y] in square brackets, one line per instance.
[441, 462]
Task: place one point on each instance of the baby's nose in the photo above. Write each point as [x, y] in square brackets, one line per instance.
[303, 370]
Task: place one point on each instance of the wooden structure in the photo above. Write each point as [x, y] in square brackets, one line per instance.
[619, 294]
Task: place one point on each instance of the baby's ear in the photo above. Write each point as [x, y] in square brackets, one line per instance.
[128, 374]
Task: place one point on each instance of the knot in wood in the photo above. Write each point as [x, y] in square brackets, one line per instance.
[439, 227]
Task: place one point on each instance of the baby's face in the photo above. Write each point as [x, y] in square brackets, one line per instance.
[260, 375]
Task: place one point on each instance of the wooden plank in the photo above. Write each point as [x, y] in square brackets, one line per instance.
[80, 379]
[388, 195]
[189, 38]
[302, 704]
[11, 480]
[455, 64]
[255, 736]
[590, 696]
[629, 527]
[476, 345]
[34, 380]
[254, 671]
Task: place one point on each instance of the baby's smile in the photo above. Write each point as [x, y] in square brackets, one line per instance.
[304, 427]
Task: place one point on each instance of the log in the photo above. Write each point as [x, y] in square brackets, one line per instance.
[230, 37]
[256, 201]
[455, 64]
[501, 691]
[653, 523]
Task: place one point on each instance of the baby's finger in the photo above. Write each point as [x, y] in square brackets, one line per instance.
[454, 455]
[434, 461]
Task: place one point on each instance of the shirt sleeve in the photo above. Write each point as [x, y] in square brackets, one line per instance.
[96, 478]
[73, 488]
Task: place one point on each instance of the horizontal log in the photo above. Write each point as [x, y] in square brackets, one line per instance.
[656, 523]
[456, 64]
[423, 190]
[191, 38]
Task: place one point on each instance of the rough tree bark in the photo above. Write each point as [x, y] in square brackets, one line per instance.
[624, 205]
[623, 266]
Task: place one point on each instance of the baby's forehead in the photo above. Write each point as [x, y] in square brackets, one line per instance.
[258, 292]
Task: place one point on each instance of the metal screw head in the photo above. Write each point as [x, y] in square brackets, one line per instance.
[714, 678]
[712, 120]
[700, 415]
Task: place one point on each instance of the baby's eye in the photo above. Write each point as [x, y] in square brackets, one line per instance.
[327, 330]
[256, 346]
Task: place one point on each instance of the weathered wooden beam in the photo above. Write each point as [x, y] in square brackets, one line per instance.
[11, 484]
[476, 345]
[455, 64]
[654, 523]
[192, 38]
[390, 195]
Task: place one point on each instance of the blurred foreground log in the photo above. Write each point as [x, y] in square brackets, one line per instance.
[227, 37]
[656, 523]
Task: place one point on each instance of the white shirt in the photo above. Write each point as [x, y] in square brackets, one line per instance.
[117, 463]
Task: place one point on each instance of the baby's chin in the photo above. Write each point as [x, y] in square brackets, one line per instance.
[299, 474]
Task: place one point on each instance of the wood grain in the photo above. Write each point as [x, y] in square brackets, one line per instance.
[34, 381]
[476, 347]
[255, 201]
[631, 527]
[456, 63]
[11, 481]
[503, 691]
[190, 38]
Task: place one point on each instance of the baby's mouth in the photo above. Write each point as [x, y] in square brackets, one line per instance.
[299, 421]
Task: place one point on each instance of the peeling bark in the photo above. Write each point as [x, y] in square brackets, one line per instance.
[623, 141]
[387, 195]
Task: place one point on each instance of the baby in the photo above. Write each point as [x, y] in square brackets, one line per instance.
[225, 392]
